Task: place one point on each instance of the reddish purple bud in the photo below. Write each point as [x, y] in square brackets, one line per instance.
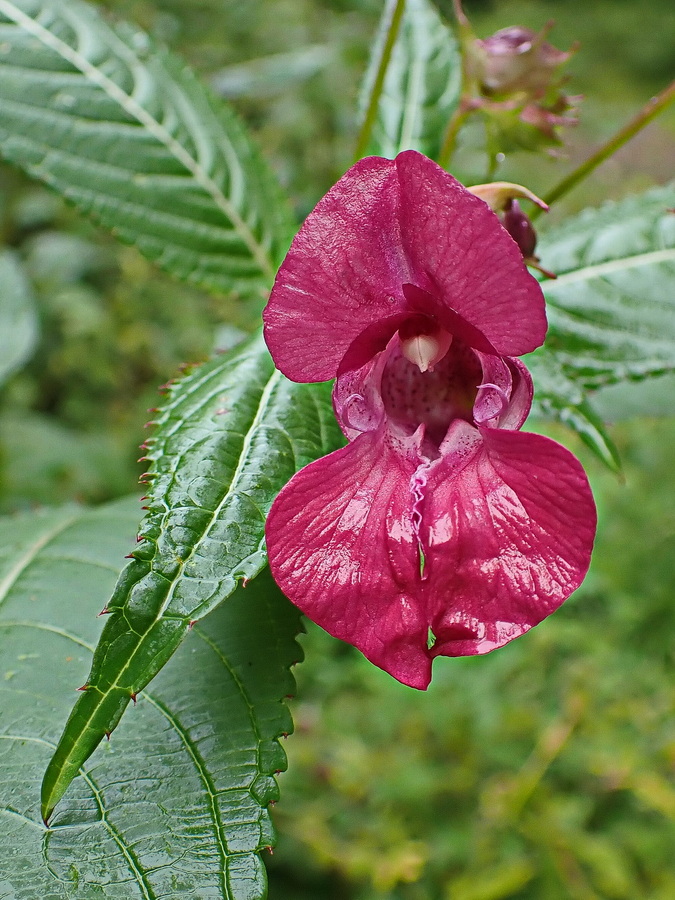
[520, 228]
[439, 516]
[517, 59]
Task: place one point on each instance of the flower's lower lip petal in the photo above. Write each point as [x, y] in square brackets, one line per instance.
[342, 547]
[508, 537]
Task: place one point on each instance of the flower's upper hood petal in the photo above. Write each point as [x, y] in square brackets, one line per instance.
[386, 224]
[454, 239]
[342, 547]
[508, 535]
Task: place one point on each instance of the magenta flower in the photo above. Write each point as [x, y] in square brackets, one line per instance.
[440, 529]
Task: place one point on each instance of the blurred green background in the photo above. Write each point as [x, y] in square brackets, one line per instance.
[543, 771]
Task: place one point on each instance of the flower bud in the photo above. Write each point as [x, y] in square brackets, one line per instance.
[502, 198]
[517, 59]
[520, 228]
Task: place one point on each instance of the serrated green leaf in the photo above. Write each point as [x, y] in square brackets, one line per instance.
[176, 804]
[421, 87]
[230, 435]
[18, 319]
[124, 130]
[558, 398]
[612, 307]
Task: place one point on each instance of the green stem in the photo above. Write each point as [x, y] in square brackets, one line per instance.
[648, 112]
[458, 118]
[464, 107]
[397, 8]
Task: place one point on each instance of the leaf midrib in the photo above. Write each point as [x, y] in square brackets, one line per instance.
[180, 730]
[612, 266]
[26, 559]
[262, 405]
[154, 127]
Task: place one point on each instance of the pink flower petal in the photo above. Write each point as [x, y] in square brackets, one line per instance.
[509, 533]
[390, 239]
[342, 547]
[343, 274]
[455, 240]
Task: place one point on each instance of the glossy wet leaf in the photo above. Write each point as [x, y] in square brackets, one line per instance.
[421, 86]
[124, 130]
[18, 319]
[611, 309]
[228, 438]
[175, 805]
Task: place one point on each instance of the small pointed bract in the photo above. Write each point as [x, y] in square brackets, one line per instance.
[439, 516]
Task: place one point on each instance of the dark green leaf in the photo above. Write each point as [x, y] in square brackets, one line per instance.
[230, 435]
[421, 87]
[124, 130]
[611, 310]
[560, 399]
[18, 321]
[176, 804]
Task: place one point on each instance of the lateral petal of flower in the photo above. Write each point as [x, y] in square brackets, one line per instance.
[509, 537]
[342, 547]
[344, 271]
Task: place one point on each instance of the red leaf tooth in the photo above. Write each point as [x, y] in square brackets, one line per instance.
[85, 687]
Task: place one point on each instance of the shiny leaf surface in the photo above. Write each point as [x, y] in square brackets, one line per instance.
[176, 804]
[123, 130]
[611, 309]
[230, 435]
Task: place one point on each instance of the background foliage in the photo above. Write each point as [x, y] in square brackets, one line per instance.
[537, 773]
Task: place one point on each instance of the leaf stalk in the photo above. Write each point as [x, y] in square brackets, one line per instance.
[648, 112]
[397, 8]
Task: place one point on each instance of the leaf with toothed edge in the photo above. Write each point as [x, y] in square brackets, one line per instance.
[230, 435]
[611, 309]
[124, 131]
[176, 805]
[421, 87]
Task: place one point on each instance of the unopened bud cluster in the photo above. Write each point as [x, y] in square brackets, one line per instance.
[516, 82]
